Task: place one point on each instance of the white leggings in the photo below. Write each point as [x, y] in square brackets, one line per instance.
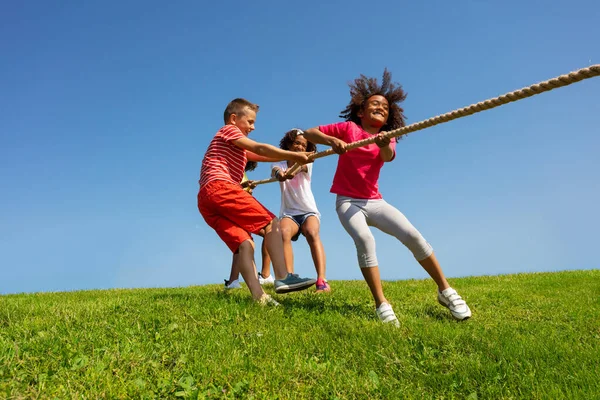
[356, 215]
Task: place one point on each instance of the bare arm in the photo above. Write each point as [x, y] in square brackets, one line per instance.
[316, 136]
[282, 175]
[278, 174]
[266, 152]
[255, 157]
[386, 153]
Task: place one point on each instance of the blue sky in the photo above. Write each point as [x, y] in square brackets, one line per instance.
[106, 109]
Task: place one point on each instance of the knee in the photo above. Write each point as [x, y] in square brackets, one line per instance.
[246, 247]
[286, 234]
[272, 225]
[311, 234]
[365, 240]
[417, 244]
[414, 237]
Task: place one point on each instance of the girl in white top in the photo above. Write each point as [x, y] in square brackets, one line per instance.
[299, 213]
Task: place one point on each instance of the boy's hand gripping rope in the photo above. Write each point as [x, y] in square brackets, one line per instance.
[546, 86]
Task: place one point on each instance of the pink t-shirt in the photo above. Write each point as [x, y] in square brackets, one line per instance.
[223, 159]
[357, 171]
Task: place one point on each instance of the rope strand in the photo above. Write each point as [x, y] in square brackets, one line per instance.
[546, 86]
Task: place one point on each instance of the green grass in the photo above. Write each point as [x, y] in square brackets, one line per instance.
[531, 336]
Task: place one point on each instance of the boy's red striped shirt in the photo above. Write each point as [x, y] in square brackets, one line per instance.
[224, 160]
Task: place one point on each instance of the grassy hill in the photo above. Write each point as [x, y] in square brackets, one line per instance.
[531, 336]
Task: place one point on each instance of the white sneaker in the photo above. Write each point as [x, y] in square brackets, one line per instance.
[233, 284]
[453, 302]
[269, 280]
[267, 300]
[386, 314]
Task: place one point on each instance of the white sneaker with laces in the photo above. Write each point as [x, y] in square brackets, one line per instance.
[386, 314]
[233, 284]
[453, 302]
[269, 280]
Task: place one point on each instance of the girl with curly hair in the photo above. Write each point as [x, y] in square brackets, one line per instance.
[373, 109]
[299, 213]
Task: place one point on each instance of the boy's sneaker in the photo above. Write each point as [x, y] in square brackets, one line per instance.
[292, 283]
[457, 306]
[232, 285]
[322, 285]
[386, 314]
[267, 300]
[269, 280]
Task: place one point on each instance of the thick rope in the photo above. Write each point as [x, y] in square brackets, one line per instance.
[546, 86]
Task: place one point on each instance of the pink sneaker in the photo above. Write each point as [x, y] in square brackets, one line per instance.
[322, 286]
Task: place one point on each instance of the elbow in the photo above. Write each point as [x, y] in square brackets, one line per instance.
[387, 157]
[260, 150]
[311, 134]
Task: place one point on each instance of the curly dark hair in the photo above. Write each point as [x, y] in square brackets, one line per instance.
[250, 166]
[363, 88]
[290, 136]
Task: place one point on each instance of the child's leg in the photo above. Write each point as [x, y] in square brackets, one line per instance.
[310, 230]
[355, 223]
[432, 266]
[371, 275]
[391, 221]
[235, 269]
[247, 268]
[266, 260]
[275, 248]
[289, 229]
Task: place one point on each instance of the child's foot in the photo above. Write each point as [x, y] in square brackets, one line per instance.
[322, 286]
[386, 314]
[292, 283]
[232, 285]
[267, 300]
[453, 302]
[269, 280]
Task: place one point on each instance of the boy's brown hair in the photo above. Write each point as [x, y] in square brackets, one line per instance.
[238, 107]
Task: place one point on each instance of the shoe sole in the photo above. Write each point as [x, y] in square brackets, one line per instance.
[295, 287]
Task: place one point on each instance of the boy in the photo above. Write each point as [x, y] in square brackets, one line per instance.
[232, 212]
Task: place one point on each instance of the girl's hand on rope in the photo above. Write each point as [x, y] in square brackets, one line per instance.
[337, 145]
[289, 174]
[382, 141]
[279, 175]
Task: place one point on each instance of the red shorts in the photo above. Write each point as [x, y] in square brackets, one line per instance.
[232, 212]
